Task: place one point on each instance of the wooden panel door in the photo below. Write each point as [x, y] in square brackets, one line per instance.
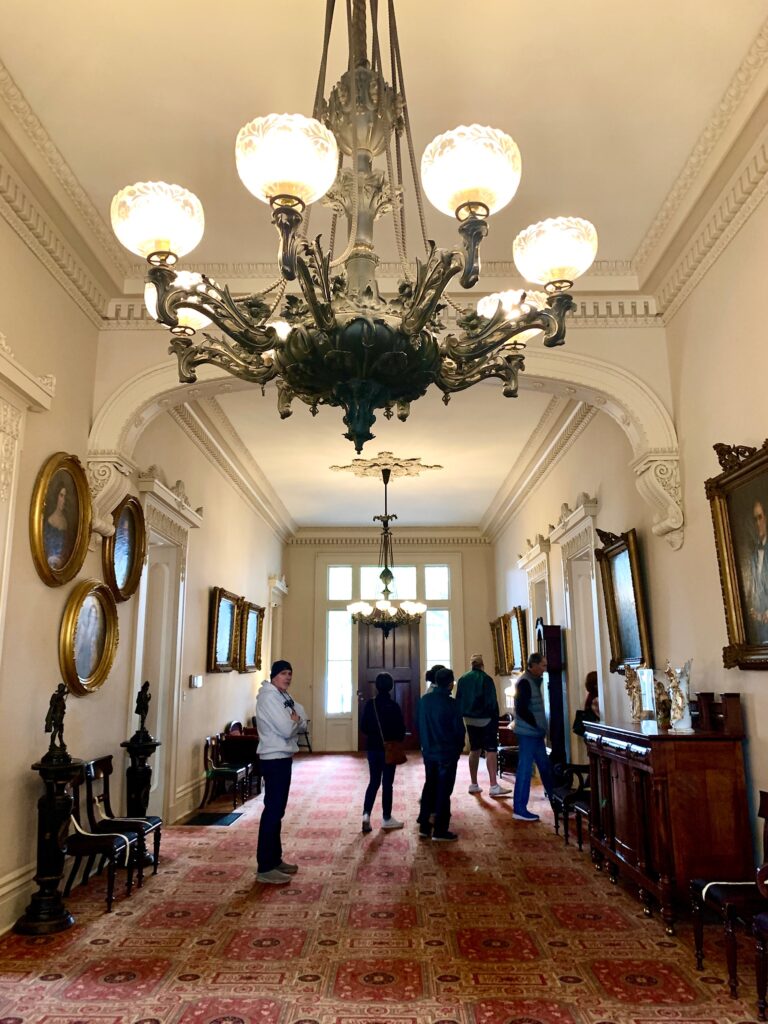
[397, 654]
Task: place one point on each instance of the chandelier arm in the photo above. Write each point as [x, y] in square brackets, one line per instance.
[472, 230]
[219, 352]
[505, 366]
[217, 303]
[497, 331]
[288, 220]
[432, 278]
[313, 271]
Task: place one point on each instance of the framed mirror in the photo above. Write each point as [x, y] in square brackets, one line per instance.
[88, 637]
[123, 554]
[60, 519]
[625, 604]
[223, 624]
[250, 629]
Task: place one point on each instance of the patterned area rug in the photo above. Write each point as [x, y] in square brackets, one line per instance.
[507, 926]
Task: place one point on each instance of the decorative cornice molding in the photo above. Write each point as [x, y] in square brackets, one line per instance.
[206, 424]
[36, 391]
[36, 230]
[33, 129]
[573, 522]
[734, 207]
[368, 537]
[738, 88]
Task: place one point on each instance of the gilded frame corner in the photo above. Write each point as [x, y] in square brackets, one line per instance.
[517, 629]
[69, 643]
[499, 652]
[742, 465]
[132, 505]
[228, 664]
[614, 546]
[39, 514]
[243, 662]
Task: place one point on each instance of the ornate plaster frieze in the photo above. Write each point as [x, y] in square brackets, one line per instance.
[30, 222]
[385, 460]
[658, 481]
[109, 474]
[733, 209]
[717, 126]
[10, 431]
[35, 132]
[574, 531]
[369, 538]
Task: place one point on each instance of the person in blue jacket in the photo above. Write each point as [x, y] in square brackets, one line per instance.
[441, 731]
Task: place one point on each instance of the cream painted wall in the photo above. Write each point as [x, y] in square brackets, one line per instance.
[303, 639]
[48, 334]
[233, 549]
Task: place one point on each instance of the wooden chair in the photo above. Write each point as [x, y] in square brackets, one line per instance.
[110, 849]
[240, 750]
[571, 795]
[736, 903]
[218, 773]
[102, 818]
[303, 738]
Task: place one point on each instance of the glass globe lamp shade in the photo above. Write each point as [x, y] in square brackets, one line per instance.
[282, 328]
[153, 216]
[286, 155]
[471, 164]
[557, 249]
[192, 319]
[514, 304]
[359, 608]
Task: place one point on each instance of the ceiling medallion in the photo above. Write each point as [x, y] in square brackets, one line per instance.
[386, 614]
[382, 461]
[340, 342]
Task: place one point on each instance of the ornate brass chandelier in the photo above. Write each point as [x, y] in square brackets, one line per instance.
[384, 614]
[343, 343]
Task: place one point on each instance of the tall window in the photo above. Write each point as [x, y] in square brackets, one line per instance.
[338, 694]
[438, 623]
[404, 587]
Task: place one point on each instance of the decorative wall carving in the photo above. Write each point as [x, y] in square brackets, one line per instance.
[658, 481]
[168, 512]
[10, 432]
[109, 475]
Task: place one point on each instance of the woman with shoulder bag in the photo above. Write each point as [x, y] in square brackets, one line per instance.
[383, 724]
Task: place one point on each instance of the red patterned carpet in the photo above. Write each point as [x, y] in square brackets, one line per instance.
[507, 926]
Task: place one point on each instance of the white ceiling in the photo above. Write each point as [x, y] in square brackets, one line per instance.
[606, 101]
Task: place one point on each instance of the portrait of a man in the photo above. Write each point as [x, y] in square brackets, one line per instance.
[748, 512]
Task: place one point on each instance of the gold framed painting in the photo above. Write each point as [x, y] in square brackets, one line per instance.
[250, 629]
[499, 653]
[624, 597]
[738, 500]
[518, 650]
[223, 635]
[123, 554]
[60, 519]
[88, 637]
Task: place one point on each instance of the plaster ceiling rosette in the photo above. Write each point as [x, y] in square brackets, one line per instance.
[382, 461]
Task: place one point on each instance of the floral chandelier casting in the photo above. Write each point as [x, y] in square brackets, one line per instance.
[384, 614]
[342, 343]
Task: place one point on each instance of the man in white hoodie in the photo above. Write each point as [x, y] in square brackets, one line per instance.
[278, 719]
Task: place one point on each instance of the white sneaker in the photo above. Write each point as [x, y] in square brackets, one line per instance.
[391, 823]
[499, 791]
[474, 788]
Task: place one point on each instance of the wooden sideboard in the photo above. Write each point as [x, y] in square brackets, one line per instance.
[667, 807]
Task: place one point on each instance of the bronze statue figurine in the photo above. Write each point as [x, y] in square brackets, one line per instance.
[54, 724]
[143, 697]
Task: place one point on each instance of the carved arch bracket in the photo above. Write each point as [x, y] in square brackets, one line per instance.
[658, 481]
[109, 474]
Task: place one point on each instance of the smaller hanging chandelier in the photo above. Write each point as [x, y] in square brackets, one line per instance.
[385, 614]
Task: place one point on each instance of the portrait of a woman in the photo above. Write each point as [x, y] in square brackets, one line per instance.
[89, 637]
[60, 520]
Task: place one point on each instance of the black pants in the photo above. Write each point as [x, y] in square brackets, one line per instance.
[277, 783]
[436, 795]
[382, 774]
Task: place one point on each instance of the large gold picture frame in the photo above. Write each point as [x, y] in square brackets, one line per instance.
[223, 630]
[88, 637]
[518, 651]
[60, 519]
[625, 604]
[250, 629]
[499, 652]
[738, 500]
[123, 554]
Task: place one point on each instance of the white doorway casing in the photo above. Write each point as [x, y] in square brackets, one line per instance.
[158, 642]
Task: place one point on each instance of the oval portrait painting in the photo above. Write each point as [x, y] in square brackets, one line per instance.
[60, 519]
[88, 636]
[124, 552]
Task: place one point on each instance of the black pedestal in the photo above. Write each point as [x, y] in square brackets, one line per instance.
[138, 776]
[46, 912]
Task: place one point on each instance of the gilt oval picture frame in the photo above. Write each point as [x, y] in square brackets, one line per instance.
[88, 637]
[60, 519]
[123, 554]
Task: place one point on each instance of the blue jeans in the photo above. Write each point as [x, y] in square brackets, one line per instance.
[276, 774]
[382, 774]
[531, 750]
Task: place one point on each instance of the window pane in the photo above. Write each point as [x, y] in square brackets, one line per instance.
[340, 583]
[403, 587]
[438, 637]
[338, 697]
[437, 582]
[339, 636]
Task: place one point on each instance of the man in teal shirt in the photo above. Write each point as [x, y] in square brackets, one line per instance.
[476, 697]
